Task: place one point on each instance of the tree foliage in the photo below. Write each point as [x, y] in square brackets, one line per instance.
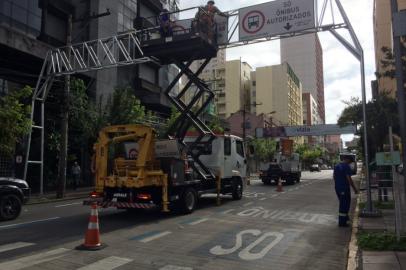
[381, 113]
[310, 154]
[124, 108]
[264, 148]
[14, 119]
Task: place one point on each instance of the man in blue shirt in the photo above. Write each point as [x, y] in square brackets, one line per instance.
[343, 181]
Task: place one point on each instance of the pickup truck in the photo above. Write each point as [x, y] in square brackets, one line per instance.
[13, 193]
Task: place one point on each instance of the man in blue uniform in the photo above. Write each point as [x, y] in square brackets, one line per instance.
[343, 181]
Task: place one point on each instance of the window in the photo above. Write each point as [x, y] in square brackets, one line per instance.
[227, 146]
[240, 148]
[254, 83]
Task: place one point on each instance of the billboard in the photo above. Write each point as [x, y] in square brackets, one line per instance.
[276, 18]
[297, 131]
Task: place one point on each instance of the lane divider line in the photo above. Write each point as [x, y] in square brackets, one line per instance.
[150, 236]
[248, 203]
[15, 245]
[198, 221]
[27, 223]
[68, 204]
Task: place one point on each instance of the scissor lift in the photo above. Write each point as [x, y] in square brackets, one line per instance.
[182, 49]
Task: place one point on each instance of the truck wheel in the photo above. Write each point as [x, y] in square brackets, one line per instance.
[290, 181]
[10, 207]
[188, 201]
[237, 189]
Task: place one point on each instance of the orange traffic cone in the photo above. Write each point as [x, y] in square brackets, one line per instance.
[280, 187]
[92, 237]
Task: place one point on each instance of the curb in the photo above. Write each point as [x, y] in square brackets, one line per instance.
[44, 200]
[353, 249]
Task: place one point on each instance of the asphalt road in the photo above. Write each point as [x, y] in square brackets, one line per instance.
[294, 229]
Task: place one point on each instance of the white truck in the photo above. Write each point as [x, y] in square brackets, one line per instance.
[286, 168]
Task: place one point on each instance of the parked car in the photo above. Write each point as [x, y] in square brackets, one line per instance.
[315, 168]
[13, 193]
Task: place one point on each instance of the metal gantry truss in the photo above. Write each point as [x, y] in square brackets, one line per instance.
[125, 49]
[120, 50]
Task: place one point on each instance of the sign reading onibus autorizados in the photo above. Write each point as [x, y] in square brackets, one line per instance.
[276, 18]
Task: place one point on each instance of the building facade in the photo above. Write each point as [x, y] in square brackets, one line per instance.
[279, 91]
[383, 39]
[305, 55]
[237, 88]
[28, 28]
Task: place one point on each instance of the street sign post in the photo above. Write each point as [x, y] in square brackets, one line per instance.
[276, 18]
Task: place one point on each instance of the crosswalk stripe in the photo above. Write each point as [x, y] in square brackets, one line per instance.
[28, 261]
[15, 245]
[108, 263]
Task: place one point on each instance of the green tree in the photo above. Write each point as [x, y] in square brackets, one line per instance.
[14, 120]
[124, 108]
[264, 148]
[381, 113]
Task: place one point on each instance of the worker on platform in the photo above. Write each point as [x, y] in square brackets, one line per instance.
[205, 18]
[165, 24]
[343, 181]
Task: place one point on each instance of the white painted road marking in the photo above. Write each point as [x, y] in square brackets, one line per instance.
[248, 203]
[68, 204]
[16, 245]
[245, 253]
[156, 236]
[27, 223]
[262, 199]
[32, 260]
[107, 264]
[174, 267]
[198, 221]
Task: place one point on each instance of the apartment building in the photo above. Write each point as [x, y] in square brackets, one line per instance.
[383, 38]
[279, 91]
[305, 55]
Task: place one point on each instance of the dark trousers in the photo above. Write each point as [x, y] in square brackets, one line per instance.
[344, 198]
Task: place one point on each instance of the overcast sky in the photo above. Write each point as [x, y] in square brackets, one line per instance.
[341, 70]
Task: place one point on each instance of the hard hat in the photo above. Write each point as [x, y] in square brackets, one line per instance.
[210, 2]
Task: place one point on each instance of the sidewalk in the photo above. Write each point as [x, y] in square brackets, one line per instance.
[69, 195]
[380, 260]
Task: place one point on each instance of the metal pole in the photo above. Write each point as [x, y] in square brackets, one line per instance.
[395, 191]
[364, 116]
[64, 122]
[41, 184]
[400, 84]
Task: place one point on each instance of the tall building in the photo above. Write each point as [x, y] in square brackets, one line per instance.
[148, 80]
[310, 111]
[236, 96]
[279, 91]
[305, 55]
[383, 38]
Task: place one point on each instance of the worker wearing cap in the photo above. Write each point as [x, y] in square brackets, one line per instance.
[343, 181]
[165, 24]
[205, 18]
